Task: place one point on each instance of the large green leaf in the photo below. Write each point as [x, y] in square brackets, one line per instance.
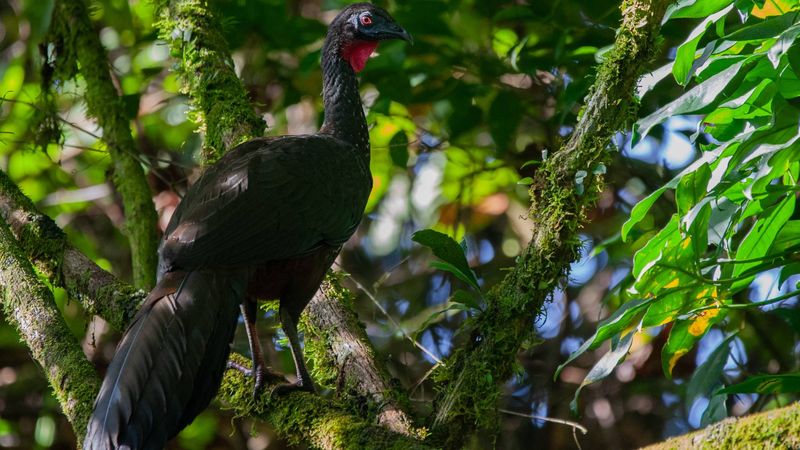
[685, 56]
[766, 384]
[623, 318]
[685, 333]
[606, 364]
[706, 378]
[697, 98]
[758, 241]
[687, 9]
[451, 254]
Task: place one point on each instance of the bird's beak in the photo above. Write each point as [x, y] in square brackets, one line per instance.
[397, 32]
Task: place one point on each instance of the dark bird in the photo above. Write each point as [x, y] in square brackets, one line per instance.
[265, 222]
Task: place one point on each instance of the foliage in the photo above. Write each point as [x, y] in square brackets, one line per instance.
[735, 205]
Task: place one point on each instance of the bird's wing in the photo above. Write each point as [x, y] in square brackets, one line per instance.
[270, 200]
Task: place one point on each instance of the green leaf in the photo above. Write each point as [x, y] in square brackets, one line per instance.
[768, 28]
[685, 56]
[783, 44]
[692, 188]
[690, 9]
[706, 378]
[623, 318]
[466, 298]
[398, 149]
[697, 98]
[685, 334]
[606, 364]
[766, 384]
[715, 411]
[639, 211]
[760, 237]
[452, 256]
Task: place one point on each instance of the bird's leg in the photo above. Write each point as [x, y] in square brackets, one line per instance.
[260, 371]
[304, 380]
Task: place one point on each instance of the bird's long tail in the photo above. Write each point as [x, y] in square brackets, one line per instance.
[170, 362]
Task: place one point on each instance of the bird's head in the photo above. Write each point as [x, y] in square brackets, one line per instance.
[359, 28]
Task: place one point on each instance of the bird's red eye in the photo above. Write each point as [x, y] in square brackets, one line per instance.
[366, 20]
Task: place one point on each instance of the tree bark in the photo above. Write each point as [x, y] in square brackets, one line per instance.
[778, 428]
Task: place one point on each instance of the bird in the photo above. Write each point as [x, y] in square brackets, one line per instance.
[266, 221]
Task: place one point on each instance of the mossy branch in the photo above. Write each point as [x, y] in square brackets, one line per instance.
[221, 107]
[302, 417]
[558, 209]
[343, 357]
[74, 40]
[46, 246]
[30, 307]
[776, 429]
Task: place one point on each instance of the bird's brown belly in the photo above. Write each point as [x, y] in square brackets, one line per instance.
[294, 281]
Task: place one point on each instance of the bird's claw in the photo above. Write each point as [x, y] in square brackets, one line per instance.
[262, 377]
[285, 388]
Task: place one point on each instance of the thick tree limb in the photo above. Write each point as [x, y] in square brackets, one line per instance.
[225, 114]
[30, 307]
[557, 213]
[228, 119]
[302, 417]
[778, 428]
[74, 39]
[47, 248]
[343, 356]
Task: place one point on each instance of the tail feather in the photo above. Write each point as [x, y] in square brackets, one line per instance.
[169, 363]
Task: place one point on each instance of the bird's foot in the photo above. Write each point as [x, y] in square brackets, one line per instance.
[285, 388]
[262, 375]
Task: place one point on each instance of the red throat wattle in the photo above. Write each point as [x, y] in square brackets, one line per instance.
[358, 52]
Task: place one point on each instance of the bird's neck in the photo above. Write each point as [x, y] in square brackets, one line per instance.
[344, 114]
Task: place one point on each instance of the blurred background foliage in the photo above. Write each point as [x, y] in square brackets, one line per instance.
[459, 122]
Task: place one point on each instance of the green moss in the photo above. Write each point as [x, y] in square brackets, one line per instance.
[776, 429]
[302, 417]
[73, 39]
[30, 307]
[222, 109]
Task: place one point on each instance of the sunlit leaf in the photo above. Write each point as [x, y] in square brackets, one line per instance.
[685, 334]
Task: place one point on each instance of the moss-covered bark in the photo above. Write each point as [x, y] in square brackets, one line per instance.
[470, 379]
[770, 430]
[29, 306]
[222, 108]
[302, 417]
[342, 357]
[46, 246]
[74, 41]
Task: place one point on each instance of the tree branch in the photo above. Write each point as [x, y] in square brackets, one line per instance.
[558, 210]
[46, 246]
[74, 40]
[302, 417]
[30, 307]
[778, 428]
[224, 112]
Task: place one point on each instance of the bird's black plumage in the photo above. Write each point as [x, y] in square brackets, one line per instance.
[266, 221]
